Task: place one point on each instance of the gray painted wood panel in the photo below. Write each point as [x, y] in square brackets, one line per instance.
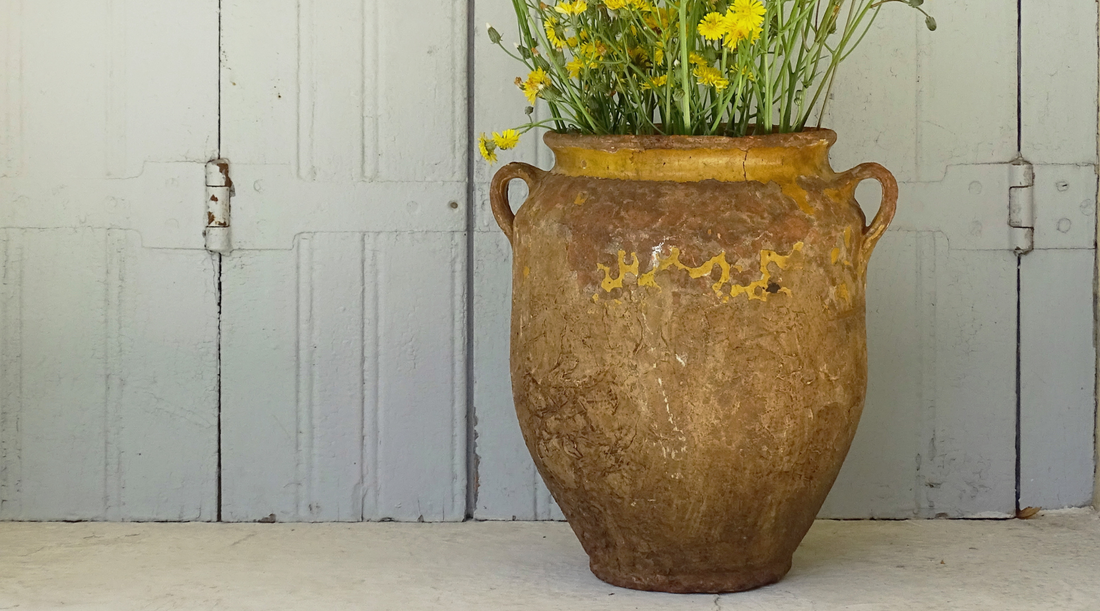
[344, 379]
[108, 323]
[941, 360]
[344, 347]
[1058, 118]
[109, 409]
[1057, 373]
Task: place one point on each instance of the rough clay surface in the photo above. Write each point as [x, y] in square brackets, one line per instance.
[689, 358]
[1050, 562]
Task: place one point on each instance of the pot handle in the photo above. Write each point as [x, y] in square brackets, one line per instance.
[498, 192]
[873, 232]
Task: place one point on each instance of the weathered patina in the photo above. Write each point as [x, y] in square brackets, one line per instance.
[688, 354]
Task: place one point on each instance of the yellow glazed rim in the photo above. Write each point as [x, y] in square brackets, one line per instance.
[779, 157]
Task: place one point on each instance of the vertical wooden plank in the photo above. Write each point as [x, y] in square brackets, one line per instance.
[967, 468]
[333, 374]
[259, 385]
[1057, 373]
[55, 82]
[371, 92]
[369, 458]
[62, 416]
[358, 111]
[985, 33]
[422, 134]
[11, 87]
[117, 342]
[304, 404]
[115, 130]
[11, 376]
[262, 89]
[115, 374]
[1058, 70]
[1058, 120]
[421, 421]
[171, 102]
[307, 85]
[162, 383]
[337, 64]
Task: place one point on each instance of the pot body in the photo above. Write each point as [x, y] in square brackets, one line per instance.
[688, 350]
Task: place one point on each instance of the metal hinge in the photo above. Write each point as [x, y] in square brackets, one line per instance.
[219, 188]
[1021, 205]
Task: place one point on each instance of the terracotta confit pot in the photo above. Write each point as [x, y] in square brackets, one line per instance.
[689, 355]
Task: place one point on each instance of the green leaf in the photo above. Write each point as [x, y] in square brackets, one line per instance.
[915, 3]
[930, 21]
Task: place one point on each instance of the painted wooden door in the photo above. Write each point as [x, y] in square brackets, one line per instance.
[108, 313]
[344, 301]
[947, 291]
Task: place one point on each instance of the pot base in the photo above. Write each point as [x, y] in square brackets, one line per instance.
[721, 582]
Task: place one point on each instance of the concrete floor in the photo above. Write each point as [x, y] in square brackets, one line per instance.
[1050, 562]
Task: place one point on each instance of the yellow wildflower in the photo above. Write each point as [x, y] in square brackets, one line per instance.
[615, 5]
[641, 5]
[551, 27]
[536, 82]
[572, 8]
[711, 77]
[571, 42]
[487, 148]
[575, 66]
[745, 19]
[508, 139]
[713, 26]
[654, 83]
[698, 60]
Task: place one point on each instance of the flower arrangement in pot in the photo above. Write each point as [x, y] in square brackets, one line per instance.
[688, 347]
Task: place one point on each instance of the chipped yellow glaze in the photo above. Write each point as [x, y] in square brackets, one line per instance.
[609, 284]
[581, 198]
[766, 257]
[673, 260]
[526, 271]
[757, 290]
